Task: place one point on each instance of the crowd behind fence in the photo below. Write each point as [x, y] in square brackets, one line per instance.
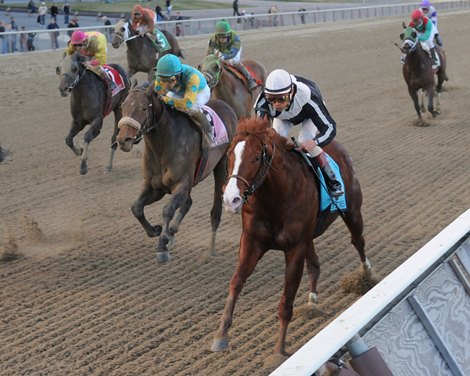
[23, 41]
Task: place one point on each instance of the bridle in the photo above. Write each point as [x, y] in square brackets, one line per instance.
[266, 164]
[213, 78]
[150, 123]
[409, 45]
[78, 76]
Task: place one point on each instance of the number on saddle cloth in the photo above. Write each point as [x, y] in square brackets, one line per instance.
[162, 42]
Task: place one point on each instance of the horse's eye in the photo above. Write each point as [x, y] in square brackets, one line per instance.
[258, 157]
[123, 29]
[74, 69]
[144, 108]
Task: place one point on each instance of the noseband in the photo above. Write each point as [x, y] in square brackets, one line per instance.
[266, 163]
[409, 45]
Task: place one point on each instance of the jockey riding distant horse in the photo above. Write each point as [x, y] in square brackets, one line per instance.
[144, 48]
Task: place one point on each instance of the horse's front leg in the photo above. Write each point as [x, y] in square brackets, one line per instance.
[414, 97]
[74, 130]
[431, 103]
[180, 196]
[90, 135]
[220, 174]
[147, 196]
[294, 257]
[249, 254]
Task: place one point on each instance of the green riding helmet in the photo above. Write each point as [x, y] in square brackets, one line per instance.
[222, 28]
[169, 65]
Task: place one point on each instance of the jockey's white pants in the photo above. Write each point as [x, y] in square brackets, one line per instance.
[429, 43]
[233, 60]
[308, 130]
[201, 99]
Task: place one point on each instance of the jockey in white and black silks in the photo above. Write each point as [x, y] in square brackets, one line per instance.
[226, 44]
[292, 100]
[143, 20]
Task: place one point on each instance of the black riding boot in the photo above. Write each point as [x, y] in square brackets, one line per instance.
[334, 186]
[109, 82]
[205, 126]
[435, 62]
[251, 81]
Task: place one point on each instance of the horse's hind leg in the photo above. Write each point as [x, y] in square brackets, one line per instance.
[117, 117]
[313, 271]
[353, 219]
[90, 135]
[421, 102]
[433, 112]
[220, 174]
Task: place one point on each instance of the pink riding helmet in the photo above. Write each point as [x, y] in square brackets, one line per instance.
[78, 37]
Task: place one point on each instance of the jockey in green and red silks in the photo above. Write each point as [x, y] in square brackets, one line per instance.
[226, 44]
[426, 31]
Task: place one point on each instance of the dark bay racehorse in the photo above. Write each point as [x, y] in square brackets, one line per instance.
[142, 55]
[171, 158]
[87, 104]
[229, 87]
[418, 72]
[279, 201]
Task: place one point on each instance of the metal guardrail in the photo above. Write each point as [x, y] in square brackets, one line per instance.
[42, 39]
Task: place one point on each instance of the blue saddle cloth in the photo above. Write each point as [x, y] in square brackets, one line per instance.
[325, 199]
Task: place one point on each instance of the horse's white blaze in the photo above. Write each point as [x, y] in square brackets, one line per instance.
[232, 194]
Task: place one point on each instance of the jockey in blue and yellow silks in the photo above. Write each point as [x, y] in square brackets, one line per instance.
[185, 89]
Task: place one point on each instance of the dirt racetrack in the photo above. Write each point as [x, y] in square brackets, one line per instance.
[86, 296]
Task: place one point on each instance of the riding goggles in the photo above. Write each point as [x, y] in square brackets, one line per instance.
[277, 98]
[137, 14]
[167, 79]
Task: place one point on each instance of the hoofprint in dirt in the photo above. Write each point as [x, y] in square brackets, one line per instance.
[83, 294]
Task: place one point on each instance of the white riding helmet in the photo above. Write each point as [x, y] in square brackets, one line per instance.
[279, 81]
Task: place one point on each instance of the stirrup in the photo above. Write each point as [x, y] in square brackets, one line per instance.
[252, 85]
[335, 188]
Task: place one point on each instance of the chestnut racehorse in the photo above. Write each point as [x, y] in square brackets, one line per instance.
[418, 72]
[227, 86]
[278, 197]
[171, 158]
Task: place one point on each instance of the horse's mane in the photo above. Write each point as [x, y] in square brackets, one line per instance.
[261, 128]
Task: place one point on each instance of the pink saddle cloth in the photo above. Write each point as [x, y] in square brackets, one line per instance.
[219, 132]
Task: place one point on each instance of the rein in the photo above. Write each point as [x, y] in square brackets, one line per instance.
[77, 78]
[266, 163]
[150, 119]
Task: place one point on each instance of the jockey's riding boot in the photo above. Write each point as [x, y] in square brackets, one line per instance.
[435, 62]
[205, 127]
[438, 40]
[109, 82]
[251, 81]
[154, 40]
[334, 186]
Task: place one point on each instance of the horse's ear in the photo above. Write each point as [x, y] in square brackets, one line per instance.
[403, 24]
[150, 88]
[402, 36]
[134, 83]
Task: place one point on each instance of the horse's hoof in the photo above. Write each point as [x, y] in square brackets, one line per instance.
[83, 170]
[219, 344]
[108, 168]
[157, 230]
[162, 257]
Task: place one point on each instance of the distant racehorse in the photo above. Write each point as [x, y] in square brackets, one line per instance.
[142, 55]
[89, 104]
[172, 162]
[279, 200]
[229, 85]
[418, 72]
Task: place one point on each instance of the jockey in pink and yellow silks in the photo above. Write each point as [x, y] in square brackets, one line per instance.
[94, 46]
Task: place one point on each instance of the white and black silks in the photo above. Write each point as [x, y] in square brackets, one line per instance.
[306, 104]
